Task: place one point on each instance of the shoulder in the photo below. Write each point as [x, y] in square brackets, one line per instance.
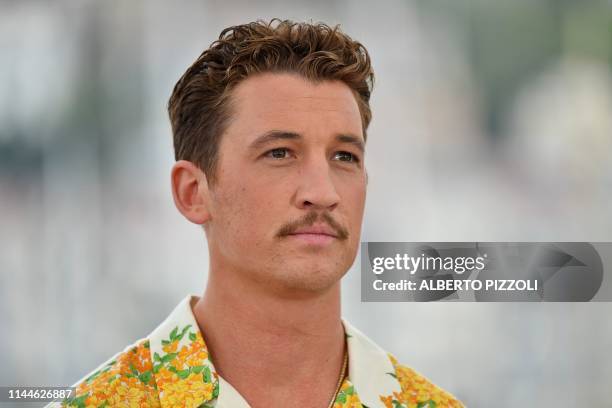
[126, 379]
[417, 390]
[379, 377]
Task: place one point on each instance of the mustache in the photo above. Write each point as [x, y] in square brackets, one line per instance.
[309, 219]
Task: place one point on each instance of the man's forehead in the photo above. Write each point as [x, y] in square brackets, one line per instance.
[283, 89]
[278, 100]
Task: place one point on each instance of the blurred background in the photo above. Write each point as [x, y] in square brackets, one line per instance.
[492, 122]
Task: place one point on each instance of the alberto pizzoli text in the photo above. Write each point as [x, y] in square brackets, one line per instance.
[458, 285]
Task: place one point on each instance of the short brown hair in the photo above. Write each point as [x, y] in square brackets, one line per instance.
[199, 105]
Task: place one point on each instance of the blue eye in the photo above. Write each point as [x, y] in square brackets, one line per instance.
[346, 157]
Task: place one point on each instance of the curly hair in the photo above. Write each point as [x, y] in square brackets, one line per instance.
[199, 104]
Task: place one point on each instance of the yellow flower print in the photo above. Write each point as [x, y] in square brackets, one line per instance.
[417, 391]
[347, 397]
[183, 373]
[125, 381]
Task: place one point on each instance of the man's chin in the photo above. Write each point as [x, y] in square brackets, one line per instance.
[306, 282]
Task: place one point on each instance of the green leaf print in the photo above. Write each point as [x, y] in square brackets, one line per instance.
[169, 357]
[427, 404]
[180, 336]
[206, 376]
[173, 333]
[197, 369]
[192, 336]
[79, 402]
[183, 374]
[93, 376]
[145, 377]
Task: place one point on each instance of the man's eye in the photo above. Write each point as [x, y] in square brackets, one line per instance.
[346, 156]
[279, 153]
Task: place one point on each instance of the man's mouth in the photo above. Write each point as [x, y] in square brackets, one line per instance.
[320, 234]
[319, 229]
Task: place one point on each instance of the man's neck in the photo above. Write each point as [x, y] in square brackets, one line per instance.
[272, 348]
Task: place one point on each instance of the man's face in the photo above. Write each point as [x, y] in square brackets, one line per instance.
[288, 200]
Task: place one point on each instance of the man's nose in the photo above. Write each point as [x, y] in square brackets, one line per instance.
[316, 188]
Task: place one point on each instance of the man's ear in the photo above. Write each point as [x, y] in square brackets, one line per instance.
[190, 192]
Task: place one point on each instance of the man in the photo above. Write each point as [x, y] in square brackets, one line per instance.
[269, 131]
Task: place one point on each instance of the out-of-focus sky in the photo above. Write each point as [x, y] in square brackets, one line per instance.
[492, 122]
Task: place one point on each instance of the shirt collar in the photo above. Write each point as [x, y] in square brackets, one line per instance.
[370, 368]
[184, 371]
[181, 365]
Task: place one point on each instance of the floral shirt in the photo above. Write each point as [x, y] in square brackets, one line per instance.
[172, 368]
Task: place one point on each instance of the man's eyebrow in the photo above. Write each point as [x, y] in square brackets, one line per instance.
[273, 135]
[357, 141]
